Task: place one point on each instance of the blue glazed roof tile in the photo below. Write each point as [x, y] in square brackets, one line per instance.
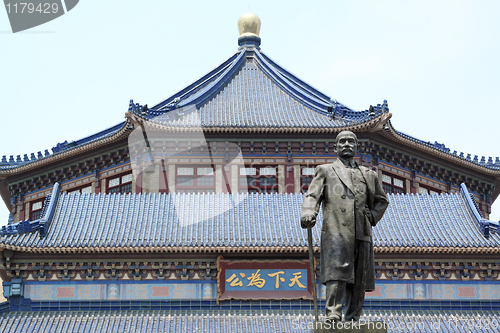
[253, 91]
[207, 220]
[232, 321]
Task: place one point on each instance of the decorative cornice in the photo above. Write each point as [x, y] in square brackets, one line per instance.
[391, 133]
[206, 269]
[373, 125]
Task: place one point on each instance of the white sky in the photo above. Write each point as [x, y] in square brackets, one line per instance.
[436, 62]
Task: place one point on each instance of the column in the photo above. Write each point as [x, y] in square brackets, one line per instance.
[234, 178]
[27, 210]
[96, 188]
[103, 186]
[171, 178]
[150, 179]
[219, 178]
[163, 188]
[296, 178]
[281, 178]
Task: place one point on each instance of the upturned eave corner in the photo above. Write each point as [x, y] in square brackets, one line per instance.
[380, 122]
[485, 225]
[41, 225]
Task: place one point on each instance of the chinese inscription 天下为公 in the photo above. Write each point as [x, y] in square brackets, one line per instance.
[266, 279]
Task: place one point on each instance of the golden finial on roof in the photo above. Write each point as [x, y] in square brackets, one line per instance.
[249, 25]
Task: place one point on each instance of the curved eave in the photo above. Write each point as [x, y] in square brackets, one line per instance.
[204, 95]
[123, 132]
[392, 134]
[298, 92]
[303, 85]
[201, 82]
[371, 125]
[242, 249]
[205, 89]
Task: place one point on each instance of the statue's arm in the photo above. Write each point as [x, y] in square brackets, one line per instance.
[312, 200]
[380, 201]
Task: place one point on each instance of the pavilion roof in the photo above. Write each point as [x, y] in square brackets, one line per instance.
[249, 92]
[240, 222]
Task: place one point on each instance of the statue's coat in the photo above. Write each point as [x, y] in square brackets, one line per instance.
[332, 187]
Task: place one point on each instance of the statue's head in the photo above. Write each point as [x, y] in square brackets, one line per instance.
[346, 145]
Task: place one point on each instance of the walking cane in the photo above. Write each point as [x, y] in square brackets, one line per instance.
[313, 271]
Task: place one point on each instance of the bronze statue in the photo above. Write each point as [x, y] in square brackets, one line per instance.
[353, 202]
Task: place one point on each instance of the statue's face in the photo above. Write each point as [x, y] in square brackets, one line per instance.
[346, 145]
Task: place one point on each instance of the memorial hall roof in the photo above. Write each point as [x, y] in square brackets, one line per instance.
[255, 321]
[445, 223]
[249, 92]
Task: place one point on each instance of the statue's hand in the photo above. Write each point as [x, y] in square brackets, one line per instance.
[368, 214]
[307, 220]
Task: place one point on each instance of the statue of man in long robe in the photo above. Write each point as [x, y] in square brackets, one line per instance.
[353, 202]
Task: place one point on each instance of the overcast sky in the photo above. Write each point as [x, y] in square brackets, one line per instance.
[436, 62]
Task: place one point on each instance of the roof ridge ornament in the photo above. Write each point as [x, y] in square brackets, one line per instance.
[249, 28]
[484, 224]
[42, 224]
